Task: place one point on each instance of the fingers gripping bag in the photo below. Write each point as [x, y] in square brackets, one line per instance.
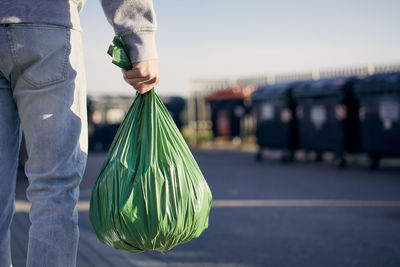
[150, 193]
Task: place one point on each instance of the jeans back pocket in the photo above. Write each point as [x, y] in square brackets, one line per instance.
[41, 52]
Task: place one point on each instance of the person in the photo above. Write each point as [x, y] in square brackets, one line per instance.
[43, 91]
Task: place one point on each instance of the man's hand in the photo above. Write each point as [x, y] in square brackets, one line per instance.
[143, 76]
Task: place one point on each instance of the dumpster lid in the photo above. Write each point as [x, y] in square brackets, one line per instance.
[236, 92]
[327, 86]
[379, 82]
[173, 101]
[268, 91]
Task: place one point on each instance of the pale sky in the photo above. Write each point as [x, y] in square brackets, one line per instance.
[229, 39]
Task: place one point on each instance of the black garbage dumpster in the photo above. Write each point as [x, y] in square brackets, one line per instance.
[175, 105]
[105, 113]
[274, 108]
[379, 113]
[327, 117]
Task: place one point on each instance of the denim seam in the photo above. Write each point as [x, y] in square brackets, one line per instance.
[11, 46]
[66, 52]
[64, 63]
[2, 74]
[38, 26]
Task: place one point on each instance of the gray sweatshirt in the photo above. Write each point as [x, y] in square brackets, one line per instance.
[134, 20]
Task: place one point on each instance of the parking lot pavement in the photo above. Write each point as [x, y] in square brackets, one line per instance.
[265, 214]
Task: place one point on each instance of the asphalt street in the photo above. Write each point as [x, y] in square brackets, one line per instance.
[275, 214]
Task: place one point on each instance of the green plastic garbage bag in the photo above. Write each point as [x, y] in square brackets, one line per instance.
[150, 193]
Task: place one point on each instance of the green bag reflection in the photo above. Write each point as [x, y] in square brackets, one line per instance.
[150, 193]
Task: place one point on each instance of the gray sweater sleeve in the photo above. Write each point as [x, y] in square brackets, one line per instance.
[135, 22]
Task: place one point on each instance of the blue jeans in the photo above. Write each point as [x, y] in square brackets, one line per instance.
[43, 91]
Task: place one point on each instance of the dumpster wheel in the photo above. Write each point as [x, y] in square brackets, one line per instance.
[318, 156]
[259, 156]
[374, 160]
[287, 156]
[340, 161]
